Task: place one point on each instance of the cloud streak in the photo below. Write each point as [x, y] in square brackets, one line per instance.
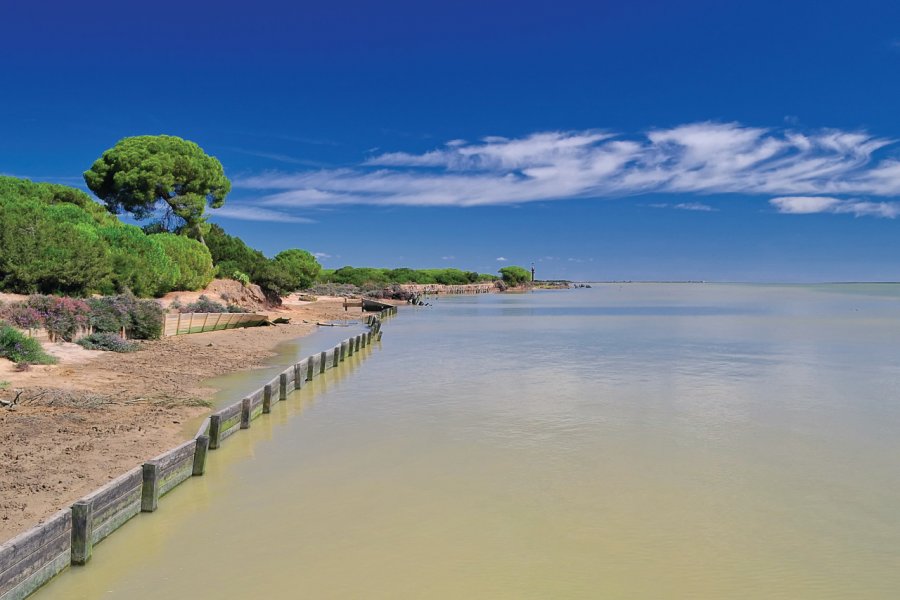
[809, 205]
[694, 159]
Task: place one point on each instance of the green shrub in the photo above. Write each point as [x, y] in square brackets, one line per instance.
[230, 254]
[242, 277]
[110, 313]
[139, 262]
[515, 276]
[49, 251]
[192, 260]
[300, 267]
[20, 349]
[107, 341]
[146, 320]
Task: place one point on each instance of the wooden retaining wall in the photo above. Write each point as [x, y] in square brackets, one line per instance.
[31, 559]
[184, 323]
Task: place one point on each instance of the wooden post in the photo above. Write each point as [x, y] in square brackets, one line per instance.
[215, 431]
[200, 455]
[378, 337]
[150, 488]
[343, 350]
[350, 347]
[337, 356]
[82, 532]
[358, 341]
[267, 398]
[299, 377]
[245, 413]
[282, 386]
[323, 362]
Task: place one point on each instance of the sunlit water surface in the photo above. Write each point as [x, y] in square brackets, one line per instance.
[627, 441]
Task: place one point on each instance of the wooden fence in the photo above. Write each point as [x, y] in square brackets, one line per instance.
[31, 559]
[183, 323]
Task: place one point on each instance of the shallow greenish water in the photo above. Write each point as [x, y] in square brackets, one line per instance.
[627, 441]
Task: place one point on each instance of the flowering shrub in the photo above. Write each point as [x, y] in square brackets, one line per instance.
[205, 305]
[62, 317]
[110, 342]
[22, 316]
[21, 349]
[110, 313]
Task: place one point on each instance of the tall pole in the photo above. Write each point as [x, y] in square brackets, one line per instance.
[532, 272]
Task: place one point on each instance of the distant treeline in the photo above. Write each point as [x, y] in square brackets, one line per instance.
[377, 277]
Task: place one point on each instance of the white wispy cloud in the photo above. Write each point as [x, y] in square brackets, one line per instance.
[321, 255]
[242, 212]
[697, 159]
[694, 206]
[501, 259]
[808, 205]
[451, 257]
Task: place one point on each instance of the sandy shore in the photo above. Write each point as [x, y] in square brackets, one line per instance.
[76, 426]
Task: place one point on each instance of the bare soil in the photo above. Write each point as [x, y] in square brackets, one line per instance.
[95, 415]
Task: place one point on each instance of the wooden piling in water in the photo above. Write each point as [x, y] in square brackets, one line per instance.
[245, 413]
[282, 386]
[150, 486]
[337, 356]
[200, 451]
[267, 398]
[82, 532]
[323, 362]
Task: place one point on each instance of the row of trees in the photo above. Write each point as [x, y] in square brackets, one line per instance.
[375, 277]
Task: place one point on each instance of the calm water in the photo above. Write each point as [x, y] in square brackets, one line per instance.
[629, 441]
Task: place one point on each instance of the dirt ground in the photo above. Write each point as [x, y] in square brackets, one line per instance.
[95, 415]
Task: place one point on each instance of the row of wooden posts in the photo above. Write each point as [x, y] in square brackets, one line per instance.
[68, 537]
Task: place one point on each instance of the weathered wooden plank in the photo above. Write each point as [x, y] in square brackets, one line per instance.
[116, 519]
[301, 372]
[101, 515]
[27, 543]
[35, 576]
[174, 458]
[175, 477]
[112, 491]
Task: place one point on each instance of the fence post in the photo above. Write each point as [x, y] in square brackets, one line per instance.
[82, 532]
[200, 455]
[337, 356]
[245, 413]
[282, 386]
[350, 347]
[150, 487]
[267, 398]
[215, 431]
[323, 360]
[343, 350]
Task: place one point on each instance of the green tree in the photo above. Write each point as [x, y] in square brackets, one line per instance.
[142, 174]
[190, 258]
[515, 276]
[49, 249]
[139, 262]
[301, 267]
[231, 254]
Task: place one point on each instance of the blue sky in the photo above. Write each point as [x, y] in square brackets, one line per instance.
[750, 141]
